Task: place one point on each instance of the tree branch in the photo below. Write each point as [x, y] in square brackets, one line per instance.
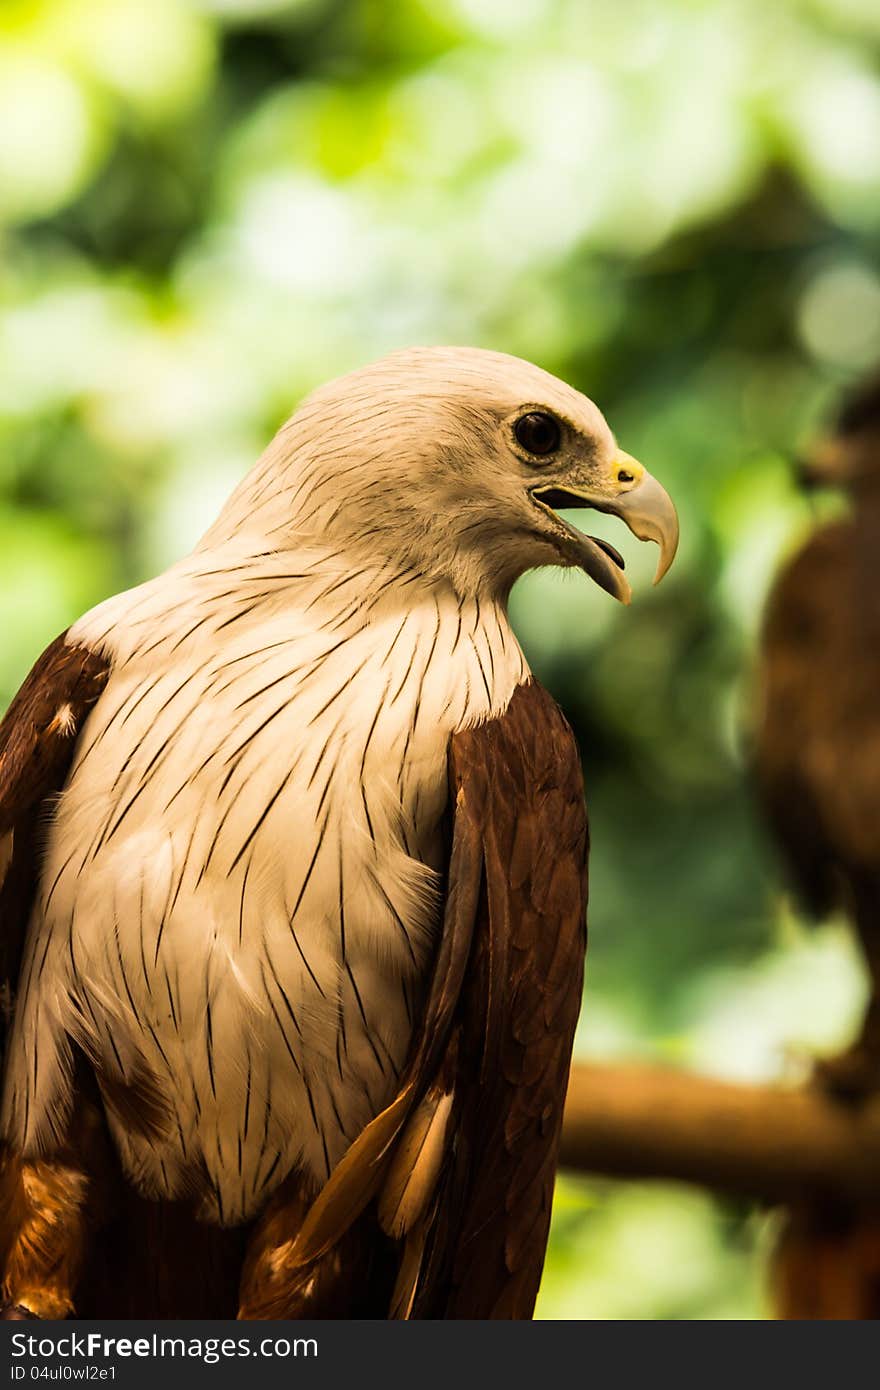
[766, 1142]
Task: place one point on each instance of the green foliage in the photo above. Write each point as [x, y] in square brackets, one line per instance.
[208, 207]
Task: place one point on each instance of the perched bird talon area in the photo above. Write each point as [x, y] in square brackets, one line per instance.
[295, 876]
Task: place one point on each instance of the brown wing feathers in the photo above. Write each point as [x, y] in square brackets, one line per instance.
[37, 739]
[518, 1014]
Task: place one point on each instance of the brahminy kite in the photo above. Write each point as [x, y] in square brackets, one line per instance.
[294, 857]
[817, 760]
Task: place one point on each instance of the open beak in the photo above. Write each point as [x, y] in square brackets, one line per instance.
[631, 493]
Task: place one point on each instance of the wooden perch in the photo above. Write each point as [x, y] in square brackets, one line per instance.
[766, 1142]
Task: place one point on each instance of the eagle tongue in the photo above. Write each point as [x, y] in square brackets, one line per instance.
[612, 554]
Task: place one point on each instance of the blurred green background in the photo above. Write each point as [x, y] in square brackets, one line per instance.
[209, 207]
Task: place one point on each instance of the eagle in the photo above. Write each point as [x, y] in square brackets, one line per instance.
[817, 746]
[294, 848]
[817, 766]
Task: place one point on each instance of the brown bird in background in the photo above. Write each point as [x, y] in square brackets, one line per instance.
[817, 760]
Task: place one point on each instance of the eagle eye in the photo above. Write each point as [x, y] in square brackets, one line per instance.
[538, 433]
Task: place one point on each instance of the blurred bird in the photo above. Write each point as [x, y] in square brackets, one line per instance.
[294, 877]
[818, 740]
[817, 759]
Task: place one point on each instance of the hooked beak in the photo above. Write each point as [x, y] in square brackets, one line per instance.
[631, 493]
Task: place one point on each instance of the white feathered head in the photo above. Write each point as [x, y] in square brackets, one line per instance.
[452, 462]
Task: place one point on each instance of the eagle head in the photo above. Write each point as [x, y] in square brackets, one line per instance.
[454, 462]
[848, 456]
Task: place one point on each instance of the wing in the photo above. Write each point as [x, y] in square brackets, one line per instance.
[516, 1018]
[37, 740]
[461, 1165]
[817, 751]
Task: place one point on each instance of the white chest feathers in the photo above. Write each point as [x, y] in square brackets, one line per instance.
[240, 897]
